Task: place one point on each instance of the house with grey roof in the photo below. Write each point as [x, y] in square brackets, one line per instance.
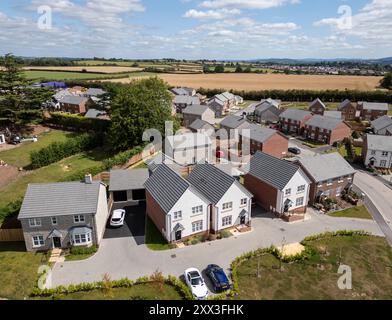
[382, 126]
[256, 138]
[372, 110]
[317, 107]
[278, 186]
[326, 130]
[267, 112]
[197, 111]
[177, 208]
[96, 114]
[231, 125]
[126, 187]
[75, 104]
[94, 92]
[202, 126]
[222, 103]
[333, 114]
[183, 91]
[293, 120]
[180, 102]
[231, 203]
[348, 110]
[62, 215]
[330, 175]
[377, 151]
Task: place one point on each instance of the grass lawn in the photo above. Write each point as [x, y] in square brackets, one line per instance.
[18, 270]
[154, 239]
[136, 292]
[370, 259]
[20, 156]
[314, 145]
[80, 163]
[355, 212]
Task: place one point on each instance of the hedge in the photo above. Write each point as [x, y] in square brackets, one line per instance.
[308, 95]
[60, 150]
[83, 250]
[79, 123]
[181, 288]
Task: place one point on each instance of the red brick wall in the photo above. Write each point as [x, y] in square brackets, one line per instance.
[276, 146]
[155, 212]
[339, 133]
[264, 194]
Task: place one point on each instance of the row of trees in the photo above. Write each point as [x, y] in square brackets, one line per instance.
[386, 82]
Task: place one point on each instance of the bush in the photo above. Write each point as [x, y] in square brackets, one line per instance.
[57, 151]
[79, 123]
[83, 250]
[225, 234]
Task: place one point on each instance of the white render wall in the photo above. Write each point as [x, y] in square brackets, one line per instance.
[297, 180]
[379, 158]
[234, 194]
[185, 204]
[102, 214]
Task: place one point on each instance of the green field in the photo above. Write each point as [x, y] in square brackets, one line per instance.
[20, 156]
[370, 259]
[359, 212]
[18, 270]
[61, 76]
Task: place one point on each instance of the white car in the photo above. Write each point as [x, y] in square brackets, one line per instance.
[117, 218]
[196, 283]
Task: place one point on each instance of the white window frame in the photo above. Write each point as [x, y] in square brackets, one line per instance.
[177, 215]
[40, 240]
[77, 219]
[35, 222]
[197, 226]
[244, 201]
[227, 206]
[56, 221]
[385, 154]
[197, 210]
[338, 192]
[383, 163]
[227, 221]
[288, 192]
[297, 204]
[81, 239]
[330, 182]
[301, 188]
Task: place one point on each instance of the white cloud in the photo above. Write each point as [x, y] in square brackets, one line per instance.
[246, 4]
[212, 14]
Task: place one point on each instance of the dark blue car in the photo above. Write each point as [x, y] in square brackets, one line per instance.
[218, 278]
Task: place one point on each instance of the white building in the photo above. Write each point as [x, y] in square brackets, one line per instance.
[377, 151]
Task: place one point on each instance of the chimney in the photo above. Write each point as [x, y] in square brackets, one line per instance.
[88, 179]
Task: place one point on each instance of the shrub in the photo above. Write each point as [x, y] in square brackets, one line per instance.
[83, 250]
[225, 234]
[79, 123]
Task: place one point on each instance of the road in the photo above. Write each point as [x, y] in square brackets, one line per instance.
[124, 257]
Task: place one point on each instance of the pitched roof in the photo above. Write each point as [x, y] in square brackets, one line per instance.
[257, 133]
[188, 140]
[228, 95]
[274, 102]
[232, 121]
[274, 171]
[333, 114]
[196, 109]
[344, 104]
[182, 91]
[95, 92]
[327, 166]
[374, 106]
[70, 99]
[295, 114]
[212, 182]
[166, 187]
[133, 179]
[216, 100]
[248, 110]
[319, 102]
[381, 123]
[380, 143]
[323, 122]
[94, 113]
[186, 100]
[59, 199]
[200, 124]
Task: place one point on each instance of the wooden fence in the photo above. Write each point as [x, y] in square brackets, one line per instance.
[11, 235]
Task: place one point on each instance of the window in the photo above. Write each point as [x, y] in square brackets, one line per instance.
[300, 201]
[329, 182]
[301, 189]
[288, 192]
[227, 206]
[385, 153]
[244, 201]
[373, 153]
[321, 183]
[341, 179]
[198, 209]
[197, 226]
[38, 241]
[79, 218]
[177, 215]
[80, 239]
[383, 163]
[226, 221]
[54, 221]
[35, 222]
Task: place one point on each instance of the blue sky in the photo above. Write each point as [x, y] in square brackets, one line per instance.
[195, 29]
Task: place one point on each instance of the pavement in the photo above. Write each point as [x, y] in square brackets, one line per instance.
[127, 257]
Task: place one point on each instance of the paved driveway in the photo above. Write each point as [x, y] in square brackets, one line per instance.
[119, 257]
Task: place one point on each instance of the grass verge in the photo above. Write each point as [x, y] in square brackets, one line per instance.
[359, 212]
[154, 239]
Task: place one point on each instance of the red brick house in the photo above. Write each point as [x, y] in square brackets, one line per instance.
[75, 104]
[372, 110]
[348, 110]
[256, 138]
[317, 107]
[278, 186]
[293, 120]
[326, 129]
[330, 175]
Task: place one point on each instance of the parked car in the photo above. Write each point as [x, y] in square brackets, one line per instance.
[196, 283]
[218, 278]
[117, 218]
[294, 150]
[15, 139]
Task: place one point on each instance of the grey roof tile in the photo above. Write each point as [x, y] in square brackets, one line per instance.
[73, 99]
[374, 106]
[295, 114]
[381, 123]
[132, 179]
[323, 122]
[319, 102]
[333, 114]
[232, 121]
[200, 124]
[196, 109]
[257, 133]
[380, 143]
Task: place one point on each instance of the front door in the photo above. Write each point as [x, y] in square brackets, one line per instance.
[242, 220]
[57, 242]
[178, 235]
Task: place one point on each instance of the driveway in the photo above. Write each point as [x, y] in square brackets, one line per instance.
[119, 257]
[306, 152]
[134, 225]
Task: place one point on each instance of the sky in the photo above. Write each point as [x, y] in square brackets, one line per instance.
[197, 29]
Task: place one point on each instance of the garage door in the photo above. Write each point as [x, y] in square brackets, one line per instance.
[120, 196]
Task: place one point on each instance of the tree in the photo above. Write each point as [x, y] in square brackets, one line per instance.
[219, 69]
[386, 82]
[206, 69]
[238, 69]
[144, 104]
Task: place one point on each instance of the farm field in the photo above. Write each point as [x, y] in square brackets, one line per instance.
[94, 69]
[268, 81]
